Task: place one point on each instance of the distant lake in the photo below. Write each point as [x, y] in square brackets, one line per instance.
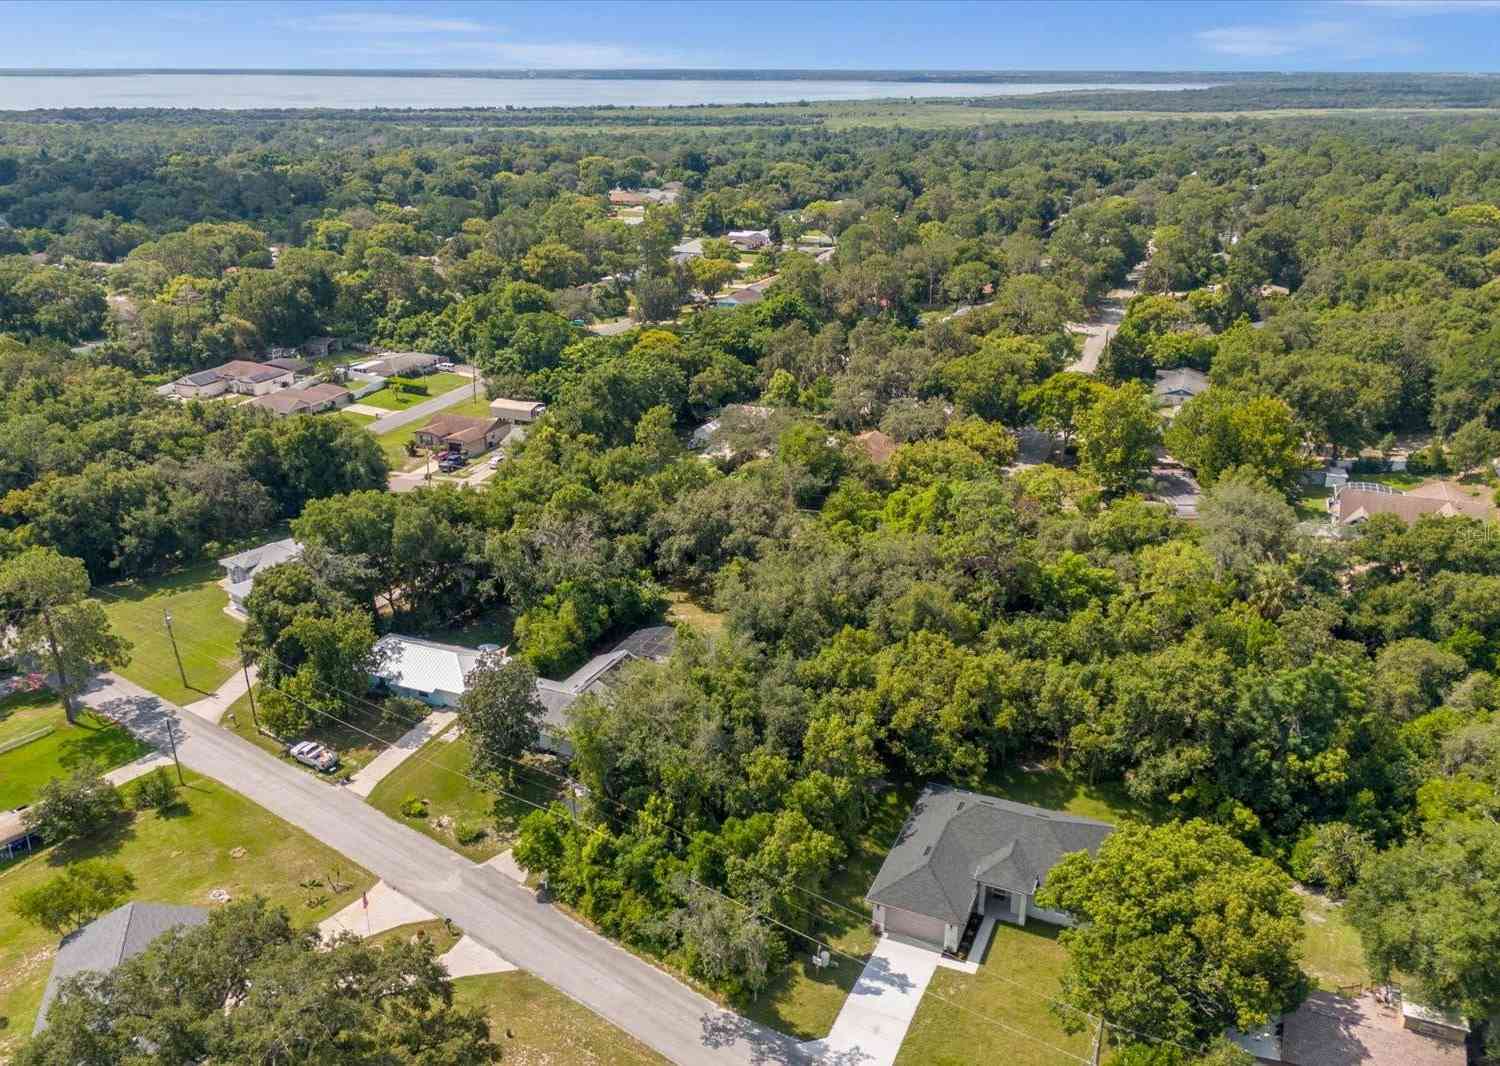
[25, 92]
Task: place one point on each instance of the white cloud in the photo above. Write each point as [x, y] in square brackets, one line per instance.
[381, 22]
[1332, 39]
[1428, 7]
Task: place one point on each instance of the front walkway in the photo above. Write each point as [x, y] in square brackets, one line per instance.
[213, 707]
[368, 776]
[880, 1007]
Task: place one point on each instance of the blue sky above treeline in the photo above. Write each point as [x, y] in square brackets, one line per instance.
[1356, 35]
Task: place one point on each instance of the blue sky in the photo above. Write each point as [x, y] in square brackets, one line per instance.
[1451, 35]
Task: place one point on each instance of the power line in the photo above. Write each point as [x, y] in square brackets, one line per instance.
[491, 786]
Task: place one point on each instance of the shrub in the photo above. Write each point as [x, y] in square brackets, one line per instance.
[75, 897]
[155, 792]
[469, 830]
[414, 807]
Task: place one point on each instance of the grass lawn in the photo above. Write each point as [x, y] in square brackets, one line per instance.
[391, 400]
[394, 443]
[1056, 791]
[215, 839]
[355, 417]
[549, 1028]
[352, 742]
[24, 770]
[435, 773]
[495, 627]
[1312, 505]
[1020, 970]
[1332, 954]
[206, 636]
[442, 935]
[805, 1000]
[684, 608]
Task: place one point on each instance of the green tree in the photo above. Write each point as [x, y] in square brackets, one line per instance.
[1182, 932]
[1220, 430]
[295, 1001]
[75, 807]
[1057, 403]
[501, 713]
[1473, 444]
[47, 593]
[1429, 910]
[75, 897]
[1118, 436]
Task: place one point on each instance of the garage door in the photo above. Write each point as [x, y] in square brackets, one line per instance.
[915, 926]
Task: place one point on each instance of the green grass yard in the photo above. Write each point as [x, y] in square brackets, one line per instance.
[216, 839]
[390, 399]
[1054, 790]
[549, 1028]
[25, 769]
[394, 443]
[1001, 1013]
[1332, 954]
[206, 636]
[437, 773]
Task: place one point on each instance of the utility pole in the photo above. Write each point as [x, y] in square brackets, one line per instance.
[1098, 1043]
[250, 691]
[167, 614]
[172, 740]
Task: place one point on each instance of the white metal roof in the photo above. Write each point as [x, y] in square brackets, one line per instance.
[424, 665]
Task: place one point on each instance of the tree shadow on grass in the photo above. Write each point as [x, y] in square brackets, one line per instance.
[103, 844]
[101, 743]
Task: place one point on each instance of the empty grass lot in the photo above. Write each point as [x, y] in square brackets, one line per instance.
[999, 1014]
[392, 399]
[206, 636]
[24, 770]
[177, 859]
[1332, 954]
[394, 443]
[549, 1028]
[439, 773]
[1054, 790]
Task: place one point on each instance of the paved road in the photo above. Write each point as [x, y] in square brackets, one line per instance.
[658, 1010]
[423, 410]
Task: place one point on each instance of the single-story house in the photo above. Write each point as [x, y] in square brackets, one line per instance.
[109, 940]
[1329, 1030]
[254, 379]
[200, 385]
[289, 362]
[1356, 501]
[286, 402]
[1176, 387]
[961, 853]
[461, 433]
[748, 240]
[685, 250]
[425, 670]
[517, 412]
[400, 364]
[739, 298]
[304, 401]
[437, 674]
[627, 198]
[241, 568]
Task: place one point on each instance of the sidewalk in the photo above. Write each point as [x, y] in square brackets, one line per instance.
[369, 775]
[213, 707]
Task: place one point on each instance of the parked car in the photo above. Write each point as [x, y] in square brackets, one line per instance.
[496, 459]
[311, 753]
[445, 367]
[450, 462]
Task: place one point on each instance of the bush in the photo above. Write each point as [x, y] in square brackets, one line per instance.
[414, 807]
[1429, 460]
[155, 792]
[405, 385]
[469, 830]
[75, 897]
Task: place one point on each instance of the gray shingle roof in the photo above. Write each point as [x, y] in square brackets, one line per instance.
[110, 939]
[954, 839]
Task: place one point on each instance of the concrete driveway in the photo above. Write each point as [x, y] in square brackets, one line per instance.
[873, 1023]
[392, 420]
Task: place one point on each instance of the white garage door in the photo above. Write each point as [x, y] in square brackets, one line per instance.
[915, 926]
